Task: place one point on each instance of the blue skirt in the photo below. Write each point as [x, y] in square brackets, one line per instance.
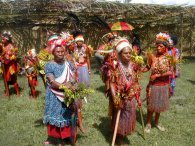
[83, 75]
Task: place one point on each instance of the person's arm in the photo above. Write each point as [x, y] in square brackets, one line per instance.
[14, 53]
[56, 85]
[154, 76]
[146, 68]
[88, 59]
[89, 65]
[115, 98]
[52, 82]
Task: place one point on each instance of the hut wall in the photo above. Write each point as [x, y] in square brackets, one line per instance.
[26, 37]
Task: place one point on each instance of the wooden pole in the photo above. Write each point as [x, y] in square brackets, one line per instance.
[181, 35]
[142, 120]
[116, 127]
[191, 34]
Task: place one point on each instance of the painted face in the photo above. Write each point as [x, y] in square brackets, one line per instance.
[160, 48]
[136, 49]
[59, 53]
[126, 54]
[4, 40]
[79, 43]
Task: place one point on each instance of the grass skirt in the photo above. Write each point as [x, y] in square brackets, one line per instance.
[83, 75]
[158, 99]
[127, 121]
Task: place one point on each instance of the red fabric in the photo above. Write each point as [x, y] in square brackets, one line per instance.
[11, 66]
[173, 50]
[161, 81]
[32, 80]
[57, 132]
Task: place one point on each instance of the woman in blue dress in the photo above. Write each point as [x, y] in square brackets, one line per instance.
[60, 119]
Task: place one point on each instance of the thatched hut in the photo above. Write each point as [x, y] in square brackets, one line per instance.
[30, 19]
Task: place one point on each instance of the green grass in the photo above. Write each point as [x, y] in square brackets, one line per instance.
[21, 117]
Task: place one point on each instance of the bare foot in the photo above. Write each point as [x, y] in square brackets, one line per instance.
[147, 128]
[47, 142]
[6, 94]
[160, 127]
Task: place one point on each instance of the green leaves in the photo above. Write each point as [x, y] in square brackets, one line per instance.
[137, 59]
[79, 93]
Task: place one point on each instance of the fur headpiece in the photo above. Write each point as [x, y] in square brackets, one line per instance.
[32, 53]
[121, 44]
[7, 35]
[162, 38]
[79, 38]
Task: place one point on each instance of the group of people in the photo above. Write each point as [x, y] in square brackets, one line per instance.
[121, 75]
[65, 61]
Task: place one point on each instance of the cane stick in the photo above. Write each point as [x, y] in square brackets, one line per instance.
[141, 115]
[116, 127]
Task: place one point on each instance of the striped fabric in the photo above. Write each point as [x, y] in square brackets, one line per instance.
[66, 76]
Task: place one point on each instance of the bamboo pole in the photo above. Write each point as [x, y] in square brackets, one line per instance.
[142, 120]
[181, 35]
[191, 34]
[116, 127]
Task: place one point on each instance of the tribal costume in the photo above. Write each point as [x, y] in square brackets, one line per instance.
[158, 87]
[9, 57]
[31, 71]
[126, 87]
[122, 88]
[81, 55]
[158, 90]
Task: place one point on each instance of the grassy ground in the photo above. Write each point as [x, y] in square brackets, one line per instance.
[21, 117]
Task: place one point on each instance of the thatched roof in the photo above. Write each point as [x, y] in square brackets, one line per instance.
[53, 11]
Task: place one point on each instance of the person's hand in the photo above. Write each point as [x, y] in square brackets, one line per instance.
[127, 86]
[120, 105]
[89, 71]
[153, 77]
[68, 85]
[139, 102]
[74, 87]
[1, 60]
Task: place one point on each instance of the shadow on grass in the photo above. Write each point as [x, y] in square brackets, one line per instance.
[12, 90]
[105, 128]
[191, 81]
[38, 93]
[39, 123]
[101, 89]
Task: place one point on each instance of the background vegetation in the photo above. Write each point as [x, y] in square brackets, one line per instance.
[21, 117]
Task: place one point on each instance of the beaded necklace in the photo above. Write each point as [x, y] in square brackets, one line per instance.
[127, 71]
